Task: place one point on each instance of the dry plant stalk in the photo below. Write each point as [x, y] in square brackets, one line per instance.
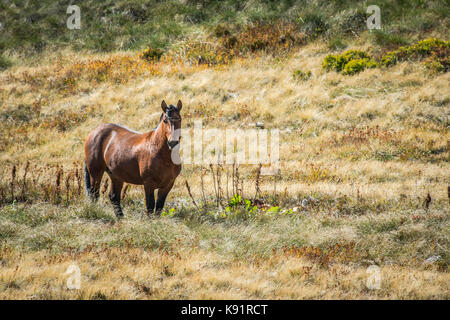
[68, 177]
[13, 177]
[233, 191]
[275, 185]
[214, 181]
[238, 191]
[59, 174]
[228, 194]
[190, 194]
[257, 182]
[24, 183]
[427, 201]
[219, 188]
[203, 186]
[78, 178]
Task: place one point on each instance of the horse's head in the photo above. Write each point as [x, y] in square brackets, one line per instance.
[172, 123]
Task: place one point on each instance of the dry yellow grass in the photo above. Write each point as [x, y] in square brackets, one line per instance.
[129, 273]
[320, 153]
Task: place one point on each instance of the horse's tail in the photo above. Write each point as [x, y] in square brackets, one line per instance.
[87, 180]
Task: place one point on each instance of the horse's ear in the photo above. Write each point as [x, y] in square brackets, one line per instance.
[179, 105]
[164, 106]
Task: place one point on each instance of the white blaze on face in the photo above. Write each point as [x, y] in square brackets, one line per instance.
[175, 134]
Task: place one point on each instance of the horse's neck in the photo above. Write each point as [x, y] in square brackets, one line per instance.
[158, 138]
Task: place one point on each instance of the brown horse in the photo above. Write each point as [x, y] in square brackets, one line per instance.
[136, 158]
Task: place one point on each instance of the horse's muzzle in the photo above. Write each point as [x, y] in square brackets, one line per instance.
[172, 143]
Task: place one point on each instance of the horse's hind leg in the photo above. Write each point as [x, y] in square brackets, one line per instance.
[114, 196]
[93, 180]
[162, 194]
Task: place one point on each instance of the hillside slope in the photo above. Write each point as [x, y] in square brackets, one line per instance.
[364, 157]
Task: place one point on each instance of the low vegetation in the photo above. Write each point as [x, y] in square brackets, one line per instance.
[435, 51]
[350, 62]
[364, 159]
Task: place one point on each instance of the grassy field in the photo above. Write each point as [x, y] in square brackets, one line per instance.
[364, 159]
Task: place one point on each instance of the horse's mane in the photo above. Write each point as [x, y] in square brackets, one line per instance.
[160, 119]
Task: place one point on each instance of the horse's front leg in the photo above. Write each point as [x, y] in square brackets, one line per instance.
[162, 194]
[114, 196]
[149, 198]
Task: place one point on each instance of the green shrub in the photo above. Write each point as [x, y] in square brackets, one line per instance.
[358, 65]
[439, 60]
[339, 62]
[422, 49]
[351, 62]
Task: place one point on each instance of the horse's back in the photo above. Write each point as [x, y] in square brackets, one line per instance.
[98, 140]
[113, 147]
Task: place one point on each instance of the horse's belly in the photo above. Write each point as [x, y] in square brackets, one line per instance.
[126, 171]
[169, 178]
